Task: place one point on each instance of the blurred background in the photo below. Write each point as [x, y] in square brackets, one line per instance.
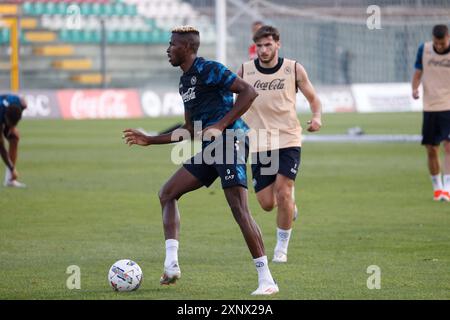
[118, 44]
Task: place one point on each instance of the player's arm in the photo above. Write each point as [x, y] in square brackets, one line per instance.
[133, 136]
[417, 77]
[245, 96]
[4, 154]
[306, 87]
[239, 72]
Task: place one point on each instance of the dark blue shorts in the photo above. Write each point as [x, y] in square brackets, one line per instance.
[435, 127]
[266, 166]
[219, 159]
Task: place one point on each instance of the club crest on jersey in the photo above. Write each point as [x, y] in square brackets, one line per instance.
[193, 80]
[188, 95]
[287, 70]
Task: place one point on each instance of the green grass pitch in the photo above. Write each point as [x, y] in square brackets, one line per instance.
[92, 200]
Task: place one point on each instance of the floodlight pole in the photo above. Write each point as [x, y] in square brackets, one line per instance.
[221, 31]
[13, 24]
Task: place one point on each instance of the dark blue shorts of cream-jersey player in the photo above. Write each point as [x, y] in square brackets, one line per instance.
[232, 173]
[435, 127]
[288, 166]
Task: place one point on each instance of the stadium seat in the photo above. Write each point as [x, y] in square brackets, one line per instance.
[64, 50]
[89, 78]
[72, 64]
[39, 36]
[8, 9]
[4, 35]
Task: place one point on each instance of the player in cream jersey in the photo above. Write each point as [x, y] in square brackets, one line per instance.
[433, 70]
[275, 135]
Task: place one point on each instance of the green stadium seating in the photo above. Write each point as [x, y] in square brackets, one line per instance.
[4, 36]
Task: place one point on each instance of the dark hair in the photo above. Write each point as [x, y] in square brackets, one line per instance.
[191, 35]
[440, 31]
[14, 113]
[266, 31]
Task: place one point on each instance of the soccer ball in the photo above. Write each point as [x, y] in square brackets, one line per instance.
[125, 275]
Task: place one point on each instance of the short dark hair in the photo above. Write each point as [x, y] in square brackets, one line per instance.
[14, 113]
[440, 31]
[191, 36]
[266, 31]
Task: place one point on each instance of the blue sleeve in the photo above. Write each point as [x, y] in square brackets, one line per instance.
[10, 99]
[217, 74]
[418, 65]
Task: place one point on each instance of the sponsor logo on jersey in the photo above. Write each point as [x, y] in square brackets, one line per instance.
[275, 84]
[229, 176]
[439, 63]
[189, 95]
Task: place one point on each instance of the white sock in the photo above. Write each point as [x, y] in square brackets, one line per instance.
[447, 182]
[283, 237]
[171, 252]
[262, 266]
[7, 175]
[437, 182]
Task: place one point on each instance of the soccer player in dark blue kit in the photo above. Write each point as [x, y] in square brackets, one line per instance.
[207, 89]
[11, 108]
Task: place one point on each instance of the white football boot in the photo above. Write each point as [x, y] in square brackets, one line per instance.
[266, 289]
[171, 274]
[279, 257]
[15, 184]
[12, 183]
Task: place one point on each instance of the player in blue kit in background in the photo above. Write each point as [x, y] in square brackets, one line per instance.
[207, 89]
[11, 108]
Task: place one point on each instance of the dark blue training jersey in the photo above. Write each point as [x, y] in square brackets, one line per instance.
[5, 101]
[205, 90]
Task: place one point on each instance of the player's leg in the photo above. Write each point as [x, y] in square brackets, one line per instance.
[434, 167]
[234, 182]
[180, 183]
[289, 163]
[285, 213]
[431, 139]
[444, 126]
[266, 198]
[263, 183]
[13, 140]
[12, 135]
[238, 202]
[446, 166]
[283, 193]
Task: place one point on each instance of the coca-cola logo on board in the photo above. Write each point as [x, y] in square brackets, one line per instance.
[100, 104]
